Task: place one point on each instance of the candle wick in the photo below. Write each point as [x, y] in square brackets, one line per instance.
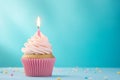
[38, 27]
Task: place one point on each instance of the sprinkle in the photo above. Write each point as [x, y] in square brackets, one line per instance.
[59, 78]
[90, 78]
[15, 70]
[85, 71]
[11, 74]
[85, 77]
[5, 72]
[96, 69]
[105, 77]
[99, 71]
[118, 72]
[76, 69]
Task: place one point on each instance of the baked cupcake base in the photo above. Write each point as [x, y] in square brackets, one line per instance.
[38, 66]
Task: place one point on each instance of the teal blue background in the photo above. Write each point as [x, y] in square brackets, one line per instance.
[84, 33]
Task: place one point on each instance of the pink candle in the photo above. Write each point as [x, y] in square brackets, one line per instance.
[38, 25]
[38, 32]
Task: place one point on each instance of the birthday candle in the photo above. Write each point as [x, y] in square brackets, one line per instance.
[38, 25]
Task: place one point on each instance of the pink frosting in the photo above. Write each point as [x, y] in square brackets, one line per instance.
[37, 45]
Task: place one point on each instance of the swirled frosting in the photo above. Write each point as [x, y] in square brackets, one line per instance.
[37, 45]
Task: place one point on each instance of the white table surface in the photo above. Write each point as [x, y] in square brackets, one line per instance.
[64, 74]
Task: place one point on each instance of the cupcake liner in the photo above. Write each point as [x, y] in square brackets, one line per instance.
[38, 67]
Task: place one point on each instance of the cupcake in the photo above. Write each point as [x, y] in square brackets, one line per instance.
[38, 59]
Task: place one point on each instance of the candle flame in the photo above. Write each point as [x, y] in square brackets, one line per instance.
[38, 22]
